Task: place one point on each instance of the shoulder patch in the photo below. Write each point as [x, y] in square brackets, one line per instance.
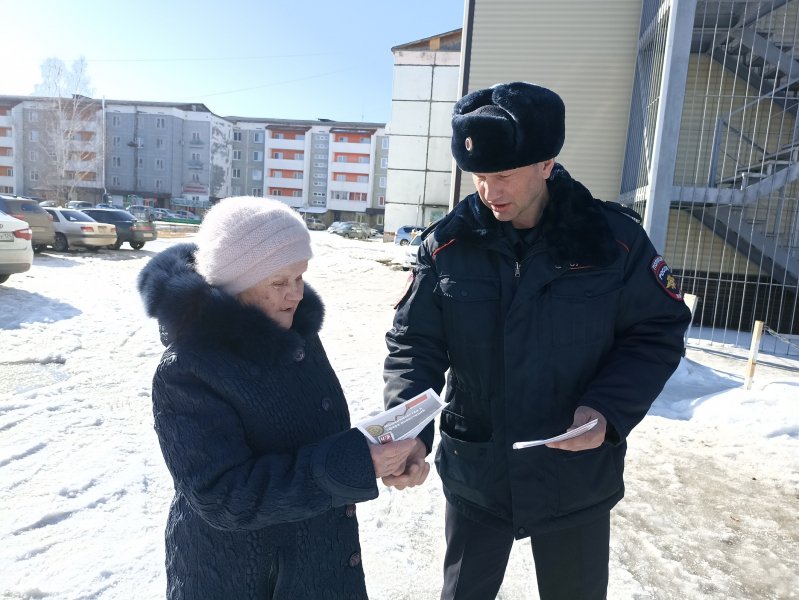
[664, 278]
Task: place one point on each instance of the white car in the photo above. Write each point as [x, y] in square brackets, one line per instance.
[16, 248]
[76, 228]
[411, 256]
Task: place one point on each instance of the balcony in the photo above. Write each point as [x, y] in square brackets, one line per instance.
[195, 165]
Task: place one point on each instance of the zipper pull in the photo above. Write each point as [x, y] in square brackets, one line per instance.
[517, 273]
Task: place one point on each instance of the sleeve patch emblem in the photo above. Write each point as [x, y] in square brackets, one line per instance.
[664, 278]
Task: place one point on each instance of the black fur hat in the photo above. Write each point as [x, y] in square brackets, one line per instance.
[507, 126]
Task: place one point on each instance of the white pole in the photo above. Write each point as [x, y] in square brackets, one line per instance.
[757, 334]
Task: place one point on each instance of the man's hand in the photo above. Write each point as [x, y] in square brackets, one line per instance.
[390, 459]
[416, 469]
[592, 438]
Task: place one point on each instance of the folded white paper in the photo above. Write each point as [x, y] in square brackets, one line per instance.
[404, 421]
[563, 436]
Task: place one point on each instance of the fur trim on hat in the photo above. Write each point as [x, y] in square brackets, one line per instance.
[244, 240]
[507, 126]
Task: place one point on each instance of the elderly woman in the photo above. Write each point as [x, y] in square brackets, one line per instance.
[251, 419]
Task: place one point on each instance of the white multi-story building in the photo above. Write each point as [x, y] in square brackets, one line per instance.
[420, 165]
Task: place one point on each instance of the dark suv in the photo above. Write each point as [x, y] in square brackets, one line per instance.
[35, 216]
[129, 229]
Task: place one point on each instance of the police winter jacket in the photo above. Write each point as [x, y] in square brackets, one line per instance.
[255, 430]
[588, 316]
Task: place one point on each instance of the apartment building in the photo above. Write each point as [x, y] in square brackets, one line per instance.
[169, 155]
[8, 149]
[335, 170]
[424, 90]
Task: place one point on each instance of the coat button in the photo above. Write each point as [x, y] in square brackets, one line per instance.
[464, 293]
[350, 512]
[325, 403]
[299, 354]
[521, 531]
[355, 559]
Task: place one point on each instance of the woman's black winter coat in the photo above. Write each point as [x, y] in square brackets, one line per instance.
[255, 430]
[579, 319]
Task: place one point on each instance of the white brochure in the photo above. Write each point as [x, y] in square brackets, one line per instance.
[563, 436]
[404, 421]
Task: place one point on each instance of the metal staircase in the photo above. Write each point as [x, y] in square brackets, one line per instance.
[751, 200]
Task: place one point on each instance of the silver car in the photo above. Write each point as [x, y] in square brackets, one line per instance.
[76, 228]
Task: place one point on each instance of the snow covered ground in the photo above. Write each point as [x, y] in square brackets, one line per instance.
[712, 473]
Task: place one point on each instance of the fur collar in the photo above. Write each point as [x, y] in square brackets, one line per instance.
[573, 224]
[189, 309]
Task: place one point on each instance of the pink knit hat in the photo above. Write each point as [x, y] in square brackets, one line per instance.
[244, 239]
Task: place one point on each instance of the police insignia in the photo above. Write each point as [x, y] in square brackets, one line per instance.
[664, 277]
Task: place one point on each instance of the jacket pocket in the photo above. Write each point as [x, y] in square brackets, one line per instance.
[470, 308]
[588, 477]
[584, 308]
[468, 470]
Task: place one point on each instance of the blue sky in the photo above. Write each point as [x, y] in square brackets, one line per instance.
[293, 59]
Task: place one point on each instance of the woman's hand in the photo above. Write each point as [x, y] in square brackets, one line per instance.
[415, 471]
[390, 459]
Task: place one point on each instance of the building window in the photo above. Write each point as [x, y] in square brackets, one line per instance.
[160, 123]
[321, 146]
[158, 184]
[196, 199]
[277, 174]
[141, 162]
[34, 176]
[382, 183]
[341, 177]
[363, 179]
[159, 164]
[33, 136]
[195, 177]
[299, 156]
[385, 143]
[364, 160]
[257, 156]
[159, 142]
[381, 200]
[237, 173]
[236, 189]
[237, 155]
[115, 120]
[116, 161]
[115, 180]
[320, 156]
[278, 136]
[195, 156]
[257, 175]
[237, 136]
[341, 138]
[364, 140]
[257, 191]
[319, 183]
[298, 175]
[33, 155]
[341, 158]
[139, 183]
[319, 165]
[278, 155]
[319, 194]
[296, 193]
[384, 163]
[319, 176]
[195, 137]
[33, 116]
[116, 141]
[258, 137]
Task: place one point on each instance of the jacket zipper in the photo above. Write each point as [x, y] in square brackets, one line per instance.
[517, 272]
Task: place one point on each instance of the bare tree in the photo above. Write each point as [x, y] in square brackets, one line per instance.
[69, 133]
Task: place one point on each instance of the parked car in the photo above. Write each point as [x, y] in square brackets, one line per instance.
[352, 229]
[405, 234]
[140, 211]
[16, 249]
[78, 204]
[333, 226]
[162, 214]
[76, 228]
[411, 256]
[315, 224]
[186, 215]
[129, 229]
[34, 215]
